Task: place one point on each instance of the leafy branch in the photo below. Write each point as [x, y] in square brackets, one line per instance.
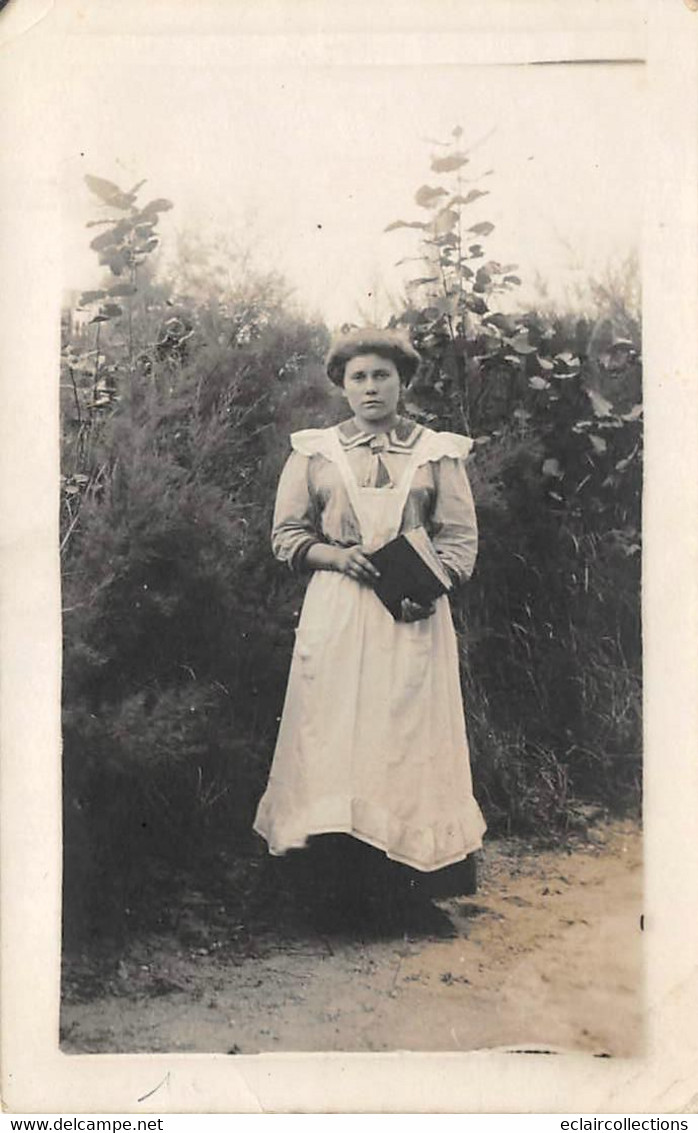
[127, 242]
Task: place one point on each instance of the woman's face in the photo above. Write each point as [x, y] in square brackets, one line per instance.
[372, 388]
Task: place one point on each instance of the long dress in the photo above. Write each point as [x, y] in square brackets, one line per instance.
[372, 741]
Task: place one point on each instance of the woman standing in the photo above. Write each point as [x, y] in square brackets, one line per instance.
[372, 741]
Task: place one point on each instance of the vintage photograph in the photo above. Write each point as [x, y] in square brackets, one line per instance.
[350, 542]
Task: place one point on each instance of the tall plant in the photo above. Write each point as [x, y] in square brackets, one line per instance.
[449, 307]
[550, 624]
[100, 365]
[124, 246]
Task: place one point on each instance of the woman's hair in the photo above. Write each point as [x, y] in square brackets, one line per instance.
[369, 340]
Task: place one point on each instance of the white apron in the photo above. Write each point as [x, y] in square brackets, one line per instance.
[372, 740]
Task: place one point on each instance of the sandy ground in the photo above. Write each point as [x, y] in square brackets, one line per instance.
[547, 955]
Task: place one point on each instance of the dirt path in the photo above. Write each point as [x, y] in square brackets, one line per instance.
[548, 954]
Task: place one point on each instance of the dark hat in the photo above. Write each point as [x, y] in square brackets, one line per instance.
[390, 344]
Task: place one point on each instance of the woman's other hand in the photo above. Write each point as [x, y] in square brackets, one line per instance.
[412, 611]
[354, 562]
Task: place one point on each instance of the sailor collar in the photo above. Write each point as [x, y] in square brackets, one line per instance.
[401, 439]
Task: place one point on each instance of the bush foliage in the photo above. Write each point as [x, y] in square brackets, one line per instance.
[550, 625]
[178, 625]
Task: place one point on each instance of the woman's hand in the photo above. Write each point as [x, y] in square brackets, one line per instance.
[353, 562]
[412, 611]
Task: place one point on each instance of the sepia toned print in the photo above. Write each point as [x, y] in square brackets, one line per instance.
[185, 369]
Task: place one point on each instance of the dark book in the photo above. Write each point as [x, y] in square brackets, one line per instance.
[409, 568]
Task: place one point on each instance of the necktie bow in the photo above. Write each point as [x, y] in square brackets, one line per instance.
[378, 475]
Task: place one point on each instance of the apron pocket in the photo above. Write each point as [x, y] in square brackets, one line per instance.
[414, 646]
[308, 651]
[319, 618]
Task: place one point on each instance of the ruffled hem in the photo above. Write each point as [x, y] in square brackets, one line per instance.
[423, 848]
[432, 446]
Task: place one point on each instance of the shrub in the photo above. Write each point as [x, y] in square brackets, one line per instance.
[549, 626]
[178, 624]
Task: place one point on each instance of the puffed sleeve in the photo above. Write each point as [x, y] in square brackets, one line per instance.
[453, 521]
[295, 524]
